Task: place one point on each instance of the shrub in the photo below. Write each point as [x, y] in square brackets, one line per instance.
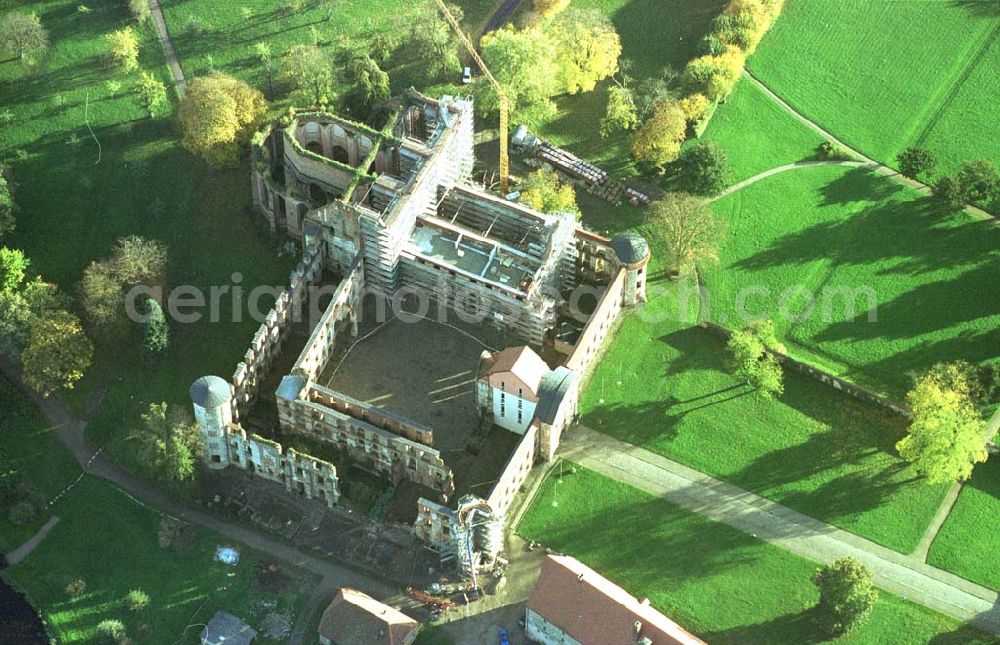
[76, 587]
[703, 169]
[123, 50]
[111, 632]
[136, 600]
[21, 512]
[847, 594]
[949, 191]
[139, 9]
[543, 191]
[155, 334]
[694, 106]
[829, 150]
[914, 162]
[979, 181]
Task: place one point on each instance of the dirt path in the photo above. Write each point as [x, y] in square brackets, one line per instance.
[18, 555]
[781, 526]
[877, 166]
[173, 62]
[788, 166]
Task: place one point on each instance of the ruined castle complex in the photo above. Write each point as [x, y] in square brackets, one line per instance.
[396, 216]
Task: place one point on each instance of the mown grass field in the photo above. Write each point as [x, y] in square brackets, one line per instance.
[757, 134]
[720, 583]
[664, 385]
[969, 541]
[886, 75]
[27, 442]
[811, 236]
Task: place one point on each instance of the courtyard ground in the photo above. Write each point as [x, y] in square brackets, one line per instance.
[722, 584]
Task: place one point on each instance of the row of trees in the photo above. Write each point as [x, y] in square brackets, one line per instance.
[976, 182]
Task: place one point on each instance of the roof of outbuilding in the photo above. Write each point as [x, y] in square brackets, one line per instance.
[228, 629]
[355, 618]
[290, 387]
[522, 362]
[591, 609]
[210, 392]
[630, 247]
[552, 391]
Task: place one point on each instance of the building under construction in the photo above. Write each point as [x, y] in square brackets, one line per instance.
[393, 212]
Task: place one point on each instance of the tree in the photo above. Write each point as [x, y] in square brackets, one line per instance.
[752, 363]
[76, 587]
[218, 115]
[621, 113]
[549, 8]
[310, 71]
[155, 333]
[979, 181]
[946, 437]
[20, 311]
[714, 76]
[694, 106]
[524, 64]
[687, 230]
[103, 300]
[373, 85]
[123, 50]
[981, 383]
[433, 44]
[139, 10]
[111, 632]
[262, 52]
[137, 260]
[658, 141]
[651, 91]
[847, 594]
[22, 34]
[150, 93]
[703, 168]
[914, 162]
[168, 443]
[13, 266]
[136, 600]
[743, 22]
[57, 353]
[543, 191]
[949, 191]
[7, 220]
[587, 48]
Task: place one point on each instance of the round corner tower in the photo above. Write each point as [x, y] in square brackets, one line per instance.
[633, 253]
[213, 410]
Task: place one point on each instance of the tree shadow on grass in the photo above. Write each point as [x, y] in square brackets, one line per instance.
[860, 184]
[800, 627]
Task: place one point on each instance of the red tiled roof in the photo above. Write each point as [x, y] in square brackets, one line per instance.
[355, 618]
[594, 610]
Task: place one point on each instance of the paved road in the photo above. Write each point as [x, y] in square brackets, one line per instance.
[20, 553]
[72, 433]
[781, 526]
[173, 62]
[790, 166]
[878, 167]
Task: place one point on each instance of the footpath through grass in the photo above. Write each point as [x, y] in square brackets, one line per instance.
[813, 247]
[720, 583]
[882, 76]
[969, 541]
[664, 385]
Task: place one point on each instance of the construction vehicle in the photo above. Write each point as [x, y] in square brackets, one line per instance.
[502, 99]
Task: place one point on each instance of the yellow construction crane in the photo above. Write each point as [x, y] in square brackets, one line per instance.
[501, 97]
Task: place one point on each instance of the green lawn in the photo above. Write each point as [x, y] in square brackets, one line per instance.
[76, 198]
[886, 75]
[757, 134]
[720, 583]
[27, 442]
[664, 385]
[969, 542]
[111, 542]
[821, 231]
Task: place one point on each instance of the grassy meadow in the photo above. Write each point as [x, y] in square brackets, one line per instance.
[720, 583]
[882, 76]
[821, 231]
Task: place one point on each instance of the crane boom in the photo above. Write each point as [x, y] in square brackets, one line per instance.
[502, 99]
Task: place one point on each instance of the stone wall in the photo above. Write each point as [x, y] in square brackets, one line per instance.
[322, 341]
[515, 471]
[299, 473]
[372, 414]
[267, 342]
[835, 382]
[395, 457]
[434, 522]
[597, 328]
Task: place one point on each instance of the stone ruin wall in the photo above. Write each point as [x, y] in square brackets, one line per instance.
[515, 471]
[596, 330]
[267, 342]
